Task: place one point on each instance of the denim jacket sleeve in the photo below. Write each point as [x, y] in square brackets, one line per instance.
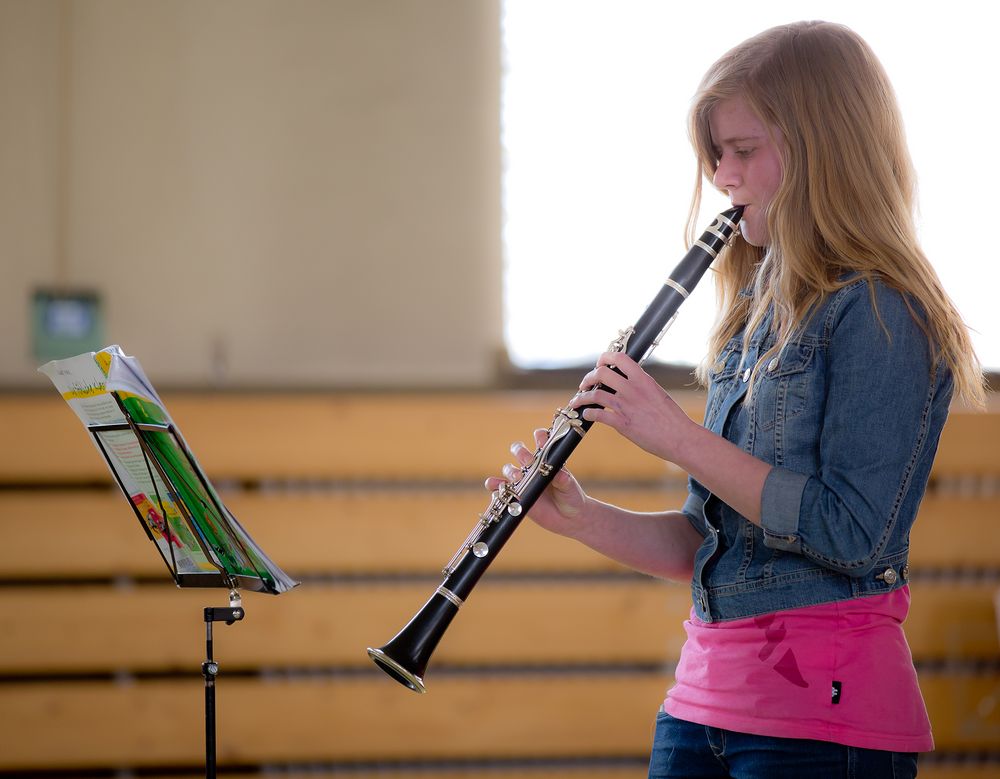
[884, 407]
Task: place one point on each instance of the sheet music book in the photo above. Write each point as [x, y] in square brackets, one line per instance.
[199, 539]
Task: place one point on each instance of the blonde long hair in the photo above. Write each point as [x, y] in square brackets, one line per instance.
[846, 199]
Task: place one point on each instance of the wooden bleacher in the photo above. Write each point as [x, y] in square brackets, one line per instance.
[554, 669]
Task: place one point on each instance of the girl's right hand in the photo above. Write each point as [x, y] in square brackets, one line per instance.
[560, 507]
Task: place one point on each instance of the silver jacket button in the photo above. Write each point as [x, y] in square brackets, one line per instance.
[888, 576]
[746, 375]
[772, 365]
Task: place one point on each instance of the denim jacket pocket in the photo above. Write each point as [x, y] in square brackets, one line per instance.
[783, 390]
[723, 372]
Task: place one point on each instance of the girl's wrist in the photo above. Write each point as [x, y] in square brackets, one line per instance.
[688, 440]
[583, 521]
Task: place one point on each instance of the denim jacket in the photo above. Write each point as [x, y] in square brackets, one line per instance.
[849, 416]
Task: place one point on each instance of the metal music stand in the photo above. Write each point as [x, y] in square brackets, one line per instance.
[201, 542]
[182, 508]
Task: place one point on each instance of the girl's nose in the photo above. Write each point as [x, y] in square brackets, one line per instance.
[726, 174]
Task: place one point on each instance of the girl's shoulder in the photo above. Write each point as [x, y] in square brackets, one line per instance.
[863, 299]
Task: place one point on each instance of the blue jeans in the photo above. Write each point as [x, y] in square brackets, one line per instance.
[684, 750]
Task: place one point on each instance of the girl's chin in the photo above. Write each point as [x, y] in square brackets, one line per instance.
[753, 234]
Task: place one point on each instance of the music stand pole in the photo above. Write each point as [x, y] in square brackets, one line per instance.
[210, 669]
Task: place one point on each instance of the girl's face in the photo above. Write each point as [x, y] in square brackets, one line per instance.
[749, 166]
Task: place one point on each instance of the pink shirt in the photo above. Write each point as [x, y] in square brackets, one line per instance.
[838, 672]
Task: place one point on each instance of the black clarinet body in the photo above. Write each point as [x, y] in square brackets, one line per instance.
[405, 657]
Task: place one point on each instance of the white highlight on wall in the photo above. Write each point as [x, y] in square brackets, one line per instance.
[599, 171]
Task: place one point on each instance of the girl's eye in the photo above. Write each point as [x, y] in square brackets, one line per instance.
[743, 153]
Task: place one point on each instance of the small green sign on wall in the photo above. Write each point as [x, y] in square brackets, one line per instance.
[66, 323]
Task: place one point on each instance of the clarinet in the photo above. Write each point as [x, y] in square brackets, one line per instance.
[406, 656]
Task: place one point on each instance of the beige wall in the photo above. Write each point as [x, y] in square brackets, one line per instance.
[266, 192]
[30, 126]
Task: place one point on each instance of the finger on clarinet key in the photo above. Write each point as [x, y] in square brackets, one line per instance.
[512, 472]
[521, 452]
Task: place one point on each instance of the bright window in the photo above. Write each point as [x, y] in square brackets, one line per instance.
[599, 171]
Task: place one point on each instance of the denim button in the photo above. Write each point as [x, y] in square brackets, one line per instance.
[746, 375]
[888, 576]
[773, 364]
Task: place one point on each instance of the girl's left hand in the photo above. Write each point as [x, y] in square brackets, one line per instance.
[639, 408]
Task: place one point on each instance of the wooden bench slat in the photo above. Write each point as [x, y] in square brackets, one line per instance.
[631, 768]
[989, 770]
[104, 629]
[941, 535]
[434, 436]
[928, 770]
[963, 710]
[953, 621]
[355, 532]
[95, 534]
[326, 436]
[970, 443]
[362, 718]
